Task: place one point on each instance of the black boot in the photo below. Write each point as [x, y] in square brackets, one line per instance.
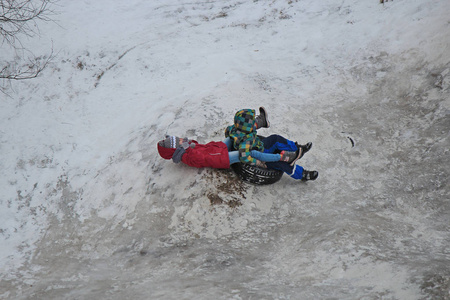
[262, 119]
[309, 175]
[305, 148]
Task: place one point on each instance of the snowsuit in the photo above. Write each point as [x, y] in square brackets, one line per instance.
[212, 155]
[243, 134]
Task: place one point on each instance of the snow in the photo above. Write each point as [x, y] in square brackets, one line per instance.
[89, 210]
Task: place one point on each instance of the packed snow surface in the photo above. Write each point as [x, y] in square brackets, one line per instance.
[89, 210]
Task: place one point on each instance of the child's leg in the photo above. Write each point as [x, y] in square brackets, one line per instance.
[276, 143]
[229, 143]
[267, 157]
[295, 171]
[234, 157]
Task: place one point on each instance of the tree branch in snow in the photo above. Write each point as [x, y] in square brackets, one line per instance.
[27, 70]
[18, 18]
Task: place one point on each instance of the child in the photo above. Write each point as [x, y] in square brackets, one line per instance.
[242, 136]
[275, 143]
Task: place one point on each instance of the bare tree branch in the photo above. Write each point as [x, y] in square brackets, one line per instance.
[18, 18]
[28, 70]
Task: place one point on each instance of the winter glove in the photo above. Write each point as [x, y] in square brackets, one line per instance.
[178, 154]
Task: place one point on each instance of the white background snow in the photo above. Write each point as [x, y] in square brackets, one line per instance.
[89, 210]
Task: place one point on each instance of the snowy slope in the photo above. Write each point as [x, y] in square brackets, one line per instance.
[90, 211]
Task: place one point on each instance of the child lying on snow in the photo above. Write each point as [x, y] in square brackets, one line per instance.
[216, 154]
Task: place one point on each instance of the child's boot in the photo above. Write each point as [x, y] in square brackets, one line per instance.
[304, 148]
[309, 175]
[262, 120]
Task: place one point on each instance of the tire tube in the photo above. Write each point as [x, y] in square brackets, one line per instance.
[256, 175]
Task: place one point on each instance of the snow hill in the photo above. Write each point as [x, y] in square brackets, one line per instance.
[89, 210]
